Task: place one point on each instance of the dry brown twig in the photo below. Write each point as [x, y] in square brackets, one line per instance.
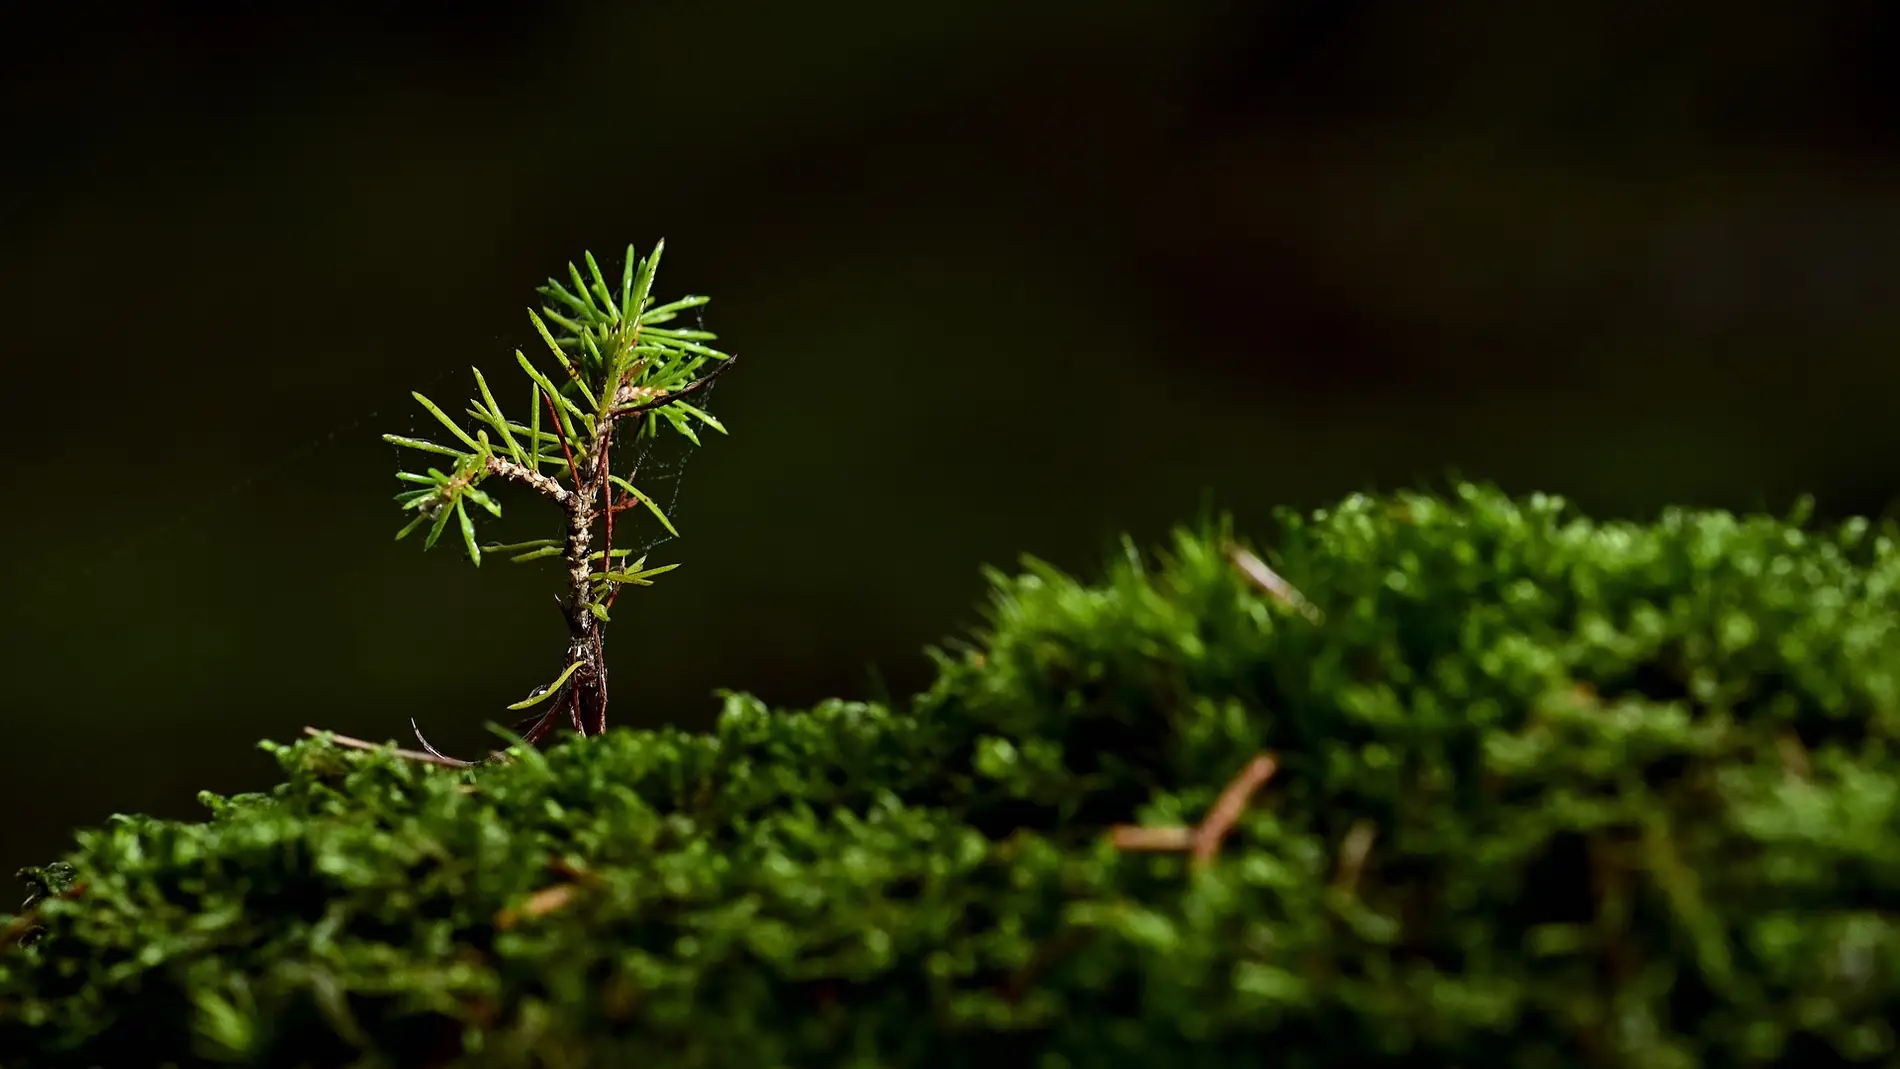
[408, 755]
[1204, 840]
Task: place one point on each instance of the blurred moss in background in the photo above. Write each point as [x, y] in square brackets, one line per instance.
[1071, 269]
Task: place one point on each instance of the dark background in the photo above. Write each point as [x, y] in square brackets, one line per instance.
[1006, 278]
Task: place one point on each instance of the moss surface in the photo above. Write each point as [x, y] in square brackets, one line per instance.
[1550, 792]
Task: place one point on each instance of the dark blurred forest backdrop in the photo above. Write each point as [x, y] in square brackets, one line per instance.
[1006, 278]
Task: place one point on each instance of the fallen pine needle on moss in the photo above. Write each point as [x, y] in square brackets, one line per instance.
[1204, 839]
[1269, 582]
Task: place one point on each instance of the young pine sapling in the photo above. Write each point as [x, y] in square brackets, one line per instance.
[622, 377]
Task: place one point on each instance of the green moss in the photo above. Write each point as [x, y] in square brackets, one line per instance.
[1633, 792]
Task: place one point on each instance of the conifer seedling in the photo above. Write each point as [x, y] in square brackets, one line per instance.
[621, 375]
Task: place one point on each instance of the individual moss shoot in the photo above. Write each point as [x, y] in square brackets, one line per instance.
[1415, 780]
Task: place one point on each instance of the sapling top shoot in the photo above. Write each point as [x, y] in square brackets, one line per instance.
[613, 370]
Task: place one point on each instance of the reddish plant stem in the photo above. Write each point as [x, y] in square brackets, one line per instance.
[561, 434]
[603, 479]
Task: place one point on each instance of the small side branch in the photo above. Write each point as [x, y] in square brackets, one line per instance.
[520, 473]
[685, 391]
[408, 755]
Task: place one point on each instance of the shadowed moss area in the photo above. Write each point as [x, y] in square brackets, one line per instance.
[1549, 792]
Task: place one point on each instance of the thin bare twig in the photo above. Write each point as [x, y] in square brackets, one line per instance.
[454, 761]
[541, 726]
[428, 758]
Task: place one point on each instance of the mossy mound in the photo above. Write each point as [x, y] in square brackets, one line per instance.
[1549, 793]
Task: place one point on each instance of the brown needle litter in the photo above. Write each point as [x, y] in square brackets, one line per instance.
[1204, 840]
